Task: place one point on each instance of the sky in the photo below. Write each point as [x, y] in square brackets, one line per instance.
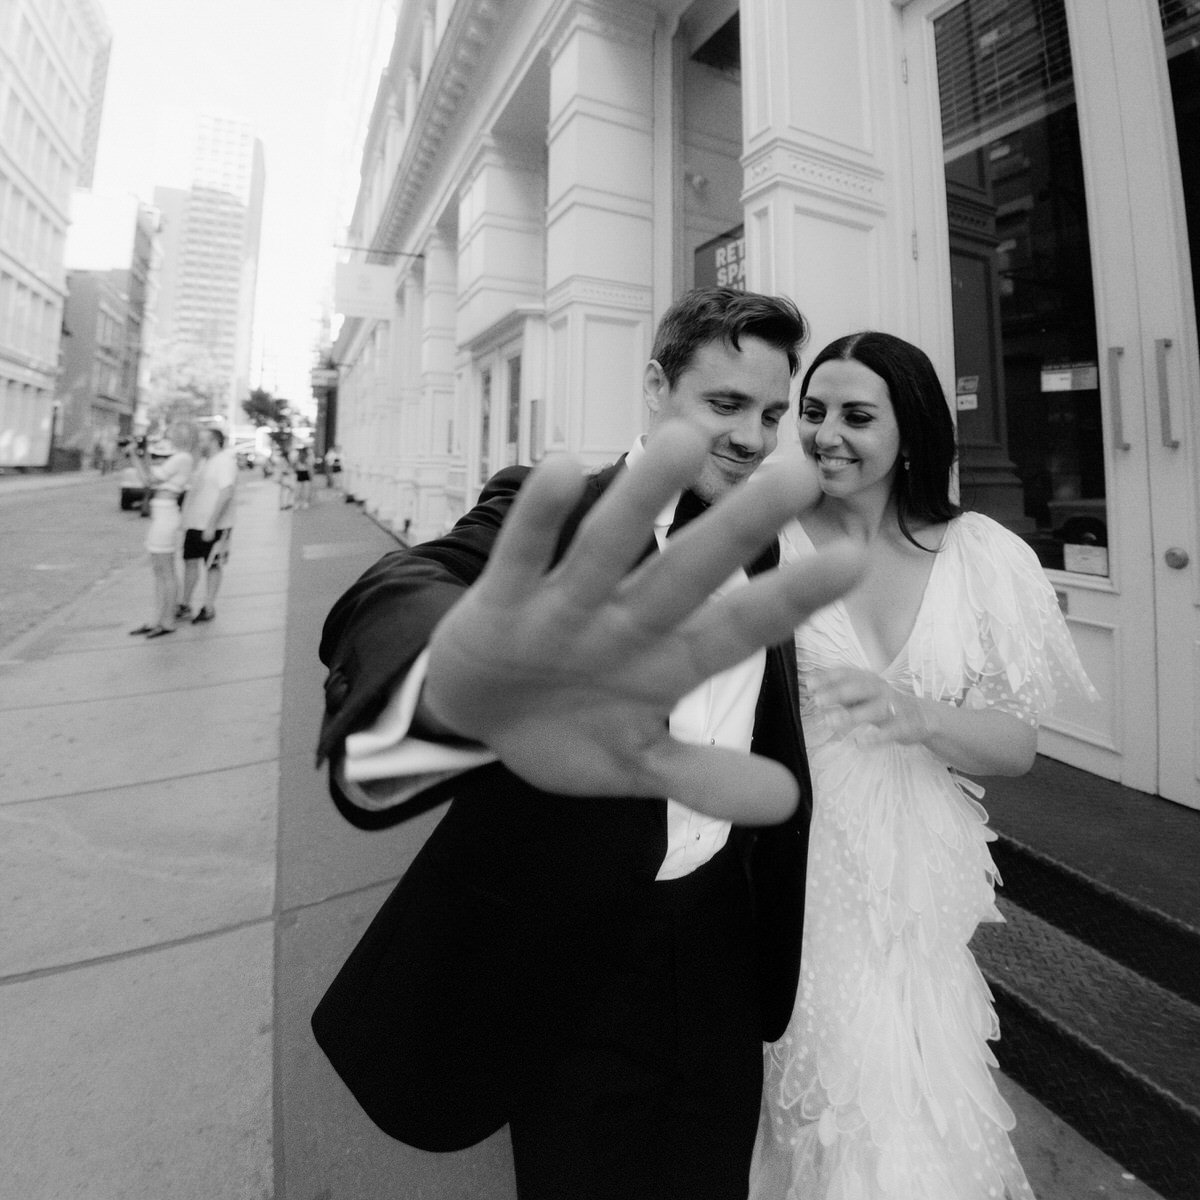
[304, 74]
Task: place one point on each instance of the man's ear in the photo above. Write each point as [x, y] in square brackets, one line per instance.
[654, 385]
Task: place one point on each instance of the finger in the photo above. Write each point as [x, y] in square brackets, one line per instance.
[768, 609]
[615, 533]
[704, 555]
[527, 540]
[846, 686]
[744, 788]
[791, 460]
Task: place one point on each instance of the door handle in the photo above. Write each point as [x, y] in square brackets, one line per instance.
[1161, 346]
[1114, 396]
[1176, 558]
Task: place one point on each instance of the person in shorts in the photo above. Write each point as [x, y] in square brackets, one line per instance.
[304, 469]
[166, 477]
[208, 523]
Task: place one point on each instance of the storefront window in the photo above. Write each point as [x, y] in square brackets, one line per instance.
[1181, 32]
[514, 411]
[1026, 361]
[485, 424]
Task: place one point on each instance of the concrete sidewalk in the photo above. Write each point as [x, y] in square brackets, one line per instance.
[176, 891]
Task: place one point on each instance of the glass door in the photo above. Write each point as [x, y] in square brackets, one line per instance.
[1065, 251]
[1175, 415]
[499, 410]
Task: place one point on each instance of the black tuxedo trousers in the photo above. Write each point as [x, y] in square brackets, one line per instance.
[529, 969]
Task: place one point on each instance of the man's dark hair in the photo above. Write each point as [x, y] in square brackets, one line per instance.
[219, 434]
[922, 489]
[709, 314]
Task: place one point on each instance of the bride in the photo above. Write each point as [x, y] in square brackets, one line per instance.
[941, 661]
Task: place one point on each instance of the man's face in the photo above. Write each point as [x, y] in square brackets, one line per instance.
[735, 397]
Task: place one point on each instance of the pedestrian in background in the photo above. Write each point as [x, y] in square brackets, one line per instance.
[333, 466]
[208, 523]
[303, 477]
[281, 468]
[166, 476]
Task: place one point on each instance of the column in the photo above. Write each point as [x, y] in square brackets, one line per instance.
[412, 96]
[437, 388]
[824, 124]
[428, 41]
[600, 243]
[501, 231]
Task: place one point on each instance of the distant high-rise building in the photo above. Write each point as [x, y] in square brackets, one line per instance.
[112, 255]
[211, 233]
[49, 55]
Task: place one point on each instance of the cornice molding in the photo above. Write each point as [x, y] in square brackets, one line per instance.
[631, 24]
[467, 34]
[586, 290]
[813, 171]
[504, 329]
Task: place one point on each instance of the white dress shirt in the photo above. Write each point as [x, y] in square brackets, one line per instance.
[720, 712]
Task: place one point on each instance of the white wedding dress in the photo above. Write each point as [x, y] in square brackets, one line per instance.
[882, 1085]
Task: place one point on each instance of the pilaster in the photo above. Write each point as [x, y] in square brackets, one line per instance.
[501, 224]
[827, 214]
[437, 384]
[600, 225]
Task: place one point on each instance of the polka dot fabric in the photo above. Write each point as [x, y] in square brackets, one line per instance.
[882, 1087]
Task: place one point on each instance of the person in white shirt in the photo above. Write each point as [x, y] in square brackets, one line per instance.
[208, 523]
[167, 476]
[590, 947]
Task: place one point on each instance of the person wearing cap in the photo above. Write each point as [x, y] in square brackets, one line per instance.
[167, 474]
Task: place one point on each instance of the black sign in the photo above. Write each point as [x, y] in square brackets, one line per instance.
[722, 262]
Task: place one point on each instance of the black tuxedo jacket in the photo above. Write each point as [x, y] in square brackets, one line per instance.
[517, 898]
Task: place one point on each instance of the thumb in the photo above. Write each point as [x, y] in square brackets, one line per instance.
[746, 789]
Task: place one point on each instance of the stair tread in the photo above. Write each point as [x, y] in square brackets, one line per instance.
[1152, 1031]
[1141, 846]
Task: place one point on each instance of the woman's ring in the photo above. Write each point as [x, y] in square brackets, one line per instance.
[891, 709]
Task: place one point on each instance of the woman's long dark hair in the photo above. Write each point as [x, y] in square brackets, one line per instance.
[922, 489]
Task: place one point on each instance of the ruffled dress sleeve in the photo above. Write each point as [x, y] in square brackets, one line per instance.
[991, 633]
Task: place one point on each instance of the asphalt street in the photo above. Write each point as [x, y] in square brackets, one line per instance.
[59, 541]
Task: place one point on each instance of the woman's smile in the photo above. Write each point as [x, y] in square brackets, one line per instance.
[834, 462]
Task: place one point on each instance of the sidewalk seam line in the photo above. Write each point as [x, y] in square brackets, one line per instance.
[135, 951]
[163, 691]
[116, 787]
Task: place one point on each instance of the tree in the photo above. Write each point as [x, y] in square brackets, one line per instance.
[185, 383]
[264, 409]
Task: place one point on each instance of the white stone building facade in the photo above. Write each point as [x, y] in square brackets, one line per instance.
[1009, 185]
[49, 50]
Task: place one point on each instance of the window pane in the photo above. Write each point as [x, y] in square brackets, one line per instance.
[1026, 361]
[485, 425]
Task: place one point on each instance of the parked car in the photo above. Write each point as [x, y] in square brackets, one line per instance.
[134, 493]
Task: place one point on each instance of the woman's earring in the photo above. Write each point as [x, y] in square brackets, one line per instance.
[907, 464]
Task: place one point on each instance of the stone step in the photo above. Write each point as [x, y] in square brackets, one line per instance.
[1113, 1053]
[1128, 929]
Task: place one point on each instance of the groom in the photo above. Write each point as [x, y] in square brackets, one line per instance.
[592, 944]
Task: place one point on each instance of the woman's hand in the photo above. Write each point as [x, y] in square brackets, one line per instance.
[979, 741]
[853, 699]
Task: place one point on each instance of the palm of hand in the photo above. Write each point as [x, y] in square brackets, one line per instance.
[569, 675]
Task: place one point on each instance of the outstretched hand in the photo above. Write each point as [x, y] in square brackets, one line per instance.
[569, 674]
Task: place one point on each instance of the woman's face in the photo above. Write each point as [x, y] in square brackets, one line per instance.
[848, 428]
